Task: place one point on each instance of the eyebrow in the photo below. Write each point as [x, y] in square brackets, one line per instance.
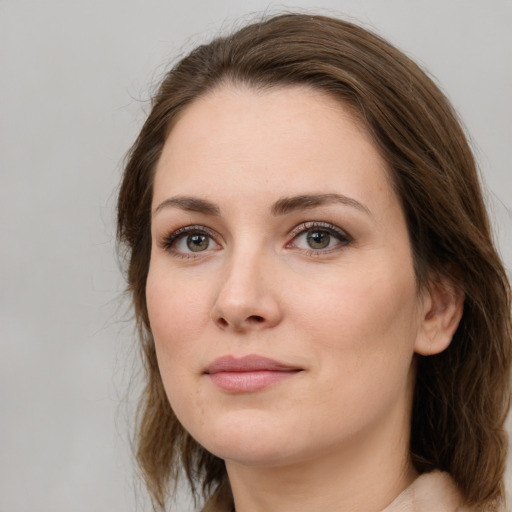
[304, 202]
[189, 204]
[280, 207]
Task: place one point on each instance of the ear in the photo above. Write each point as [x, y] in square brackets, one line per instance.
[442, 308]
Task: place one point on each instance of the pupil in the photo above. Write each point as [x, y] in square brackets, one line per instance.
[318, 239]
[197, 243]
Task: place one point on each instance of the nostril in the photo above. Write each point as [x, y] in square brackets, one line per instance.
[222, 322]
[239, 323]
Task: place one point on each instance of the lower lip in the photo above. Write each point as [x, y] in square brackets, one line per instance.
[246, 382]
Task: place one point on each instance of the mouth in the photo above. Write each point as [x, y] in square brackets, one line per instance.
[248, 374]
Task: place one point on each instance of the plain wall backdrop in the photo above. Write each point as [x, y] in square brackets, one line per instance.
[75, 78]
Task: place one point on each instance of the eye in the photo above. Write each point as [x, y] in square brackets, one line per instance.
[197, 242]
[189, 241]
[318, 237]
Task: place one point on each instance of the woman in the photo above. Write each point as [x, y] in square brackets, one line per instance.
[324, 320]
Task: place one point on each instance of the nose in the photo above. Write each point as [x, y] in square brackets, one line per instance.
[247, 298]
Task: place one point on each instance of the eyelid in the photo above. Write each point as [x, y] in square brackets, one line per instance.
[168, 241]
[340, 234]
[326, 226]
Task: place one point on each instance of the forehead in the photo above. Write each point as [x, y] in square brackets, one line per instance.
[281, 139]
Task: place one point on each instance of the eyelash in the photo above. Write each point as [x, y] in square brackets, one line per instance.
[340, 235]
[169, 242]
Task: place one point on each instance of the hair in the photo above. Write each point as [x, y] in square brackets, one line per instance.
[461, 395]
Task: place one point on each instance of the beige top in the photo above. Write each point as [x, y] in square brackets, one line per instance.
[430, 492]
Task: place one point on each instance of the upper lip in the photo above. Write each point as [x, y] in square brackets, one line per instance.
[248, 363]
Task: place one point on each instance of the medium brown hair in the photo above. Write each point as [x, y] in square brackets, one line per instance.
[462, 394]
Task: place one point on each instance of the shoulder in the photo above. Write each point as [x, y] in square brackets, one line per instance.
[433, 492]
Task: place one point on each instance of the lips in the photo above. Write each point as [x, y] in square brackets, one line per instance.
[248, 374]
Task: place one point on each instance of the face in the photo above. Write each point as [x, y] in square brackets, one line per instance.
[281, 291]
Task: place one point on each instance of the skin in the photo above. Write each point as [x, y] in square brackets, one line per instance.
[348, 315]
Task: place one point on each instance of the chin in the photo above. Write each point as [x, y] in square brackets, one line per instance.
[253, 454]
[248, 440]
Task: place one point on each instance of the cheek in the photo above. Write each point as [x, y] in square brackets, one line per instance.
[175, 319]
[363, 324]
[376, 302]
[177, 314]
[364, 335]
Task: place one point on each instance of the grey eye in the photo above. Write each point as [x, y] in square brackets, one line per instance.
[197, 242]
[191, 240]
[318, 239]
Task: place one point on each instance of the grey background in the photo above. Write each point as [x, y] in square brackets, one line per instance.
[74, 80]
